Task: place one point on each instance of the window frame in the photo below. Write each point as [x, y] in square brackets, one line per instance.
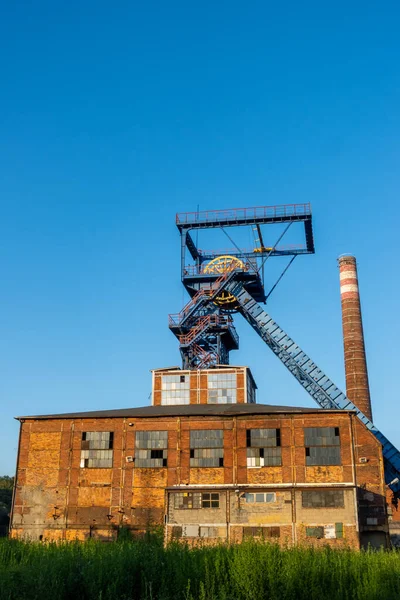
[200, 447]
[323, 493]
[250, 497]
[87, 449]
[197, 500]
[147, 452]
[320, 443]
[268, 454]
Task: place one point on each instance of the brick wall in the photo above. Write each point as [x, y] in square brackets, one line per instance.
[57, 499]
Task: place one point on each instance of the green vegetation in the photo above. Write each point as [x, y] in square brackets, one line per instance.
[145, 570]
[6, 488]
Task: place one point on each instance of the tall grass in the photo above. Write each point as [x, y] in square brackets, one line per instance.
[133, 570]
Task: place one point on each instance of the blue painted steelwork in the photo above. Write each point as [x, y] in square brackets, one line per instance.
[199, 279]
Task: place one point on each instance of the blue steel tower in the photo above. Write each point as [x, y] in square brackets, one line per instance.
[205, 327]
[222, 284]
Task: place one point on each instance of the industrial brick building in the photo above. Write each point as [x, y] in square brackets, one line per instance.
[206, 461]
[213, 465]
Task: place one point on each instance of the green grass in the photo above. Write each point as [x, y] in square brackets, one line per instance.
[145, 570]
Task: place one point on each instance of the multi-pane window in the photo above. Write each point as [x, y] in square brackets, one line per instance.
[151, 448]
[207, 448]
[251, 390]
[260, 497]
[222, 388]
[322, 446]
[187, 500]
[263, 447]
[323, 499]
[96, 449]
[209, 500]
[175, 389]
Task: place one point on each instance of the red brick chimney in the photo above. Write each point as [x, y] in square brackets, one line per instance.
[357, 386]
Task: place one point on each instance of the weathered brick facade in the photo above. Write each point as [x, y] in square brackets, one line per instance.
[58, 498]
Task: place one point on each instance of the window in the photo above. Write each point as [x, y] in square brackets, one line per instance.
[207, 448]
[151, 448]
[176, 532]
[187, 500]
[263, 447]
[210, 500]
[251, 390]
[211, 532]
[328, 532]
[323, 499]
[96, 449]
[222, 388]
[260, 497]
[322, 446]
[261, 532]
[339, 530]
[315, 532]
[175, 389]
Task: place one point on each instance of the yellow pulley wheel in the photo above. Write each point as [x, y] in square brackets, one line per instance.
[221, 265]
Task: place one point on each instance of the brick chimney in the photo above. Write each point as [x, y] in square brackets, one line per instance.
[357, 386]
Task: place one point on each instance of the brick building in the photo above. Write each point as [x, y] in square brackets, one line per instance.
[206, 461]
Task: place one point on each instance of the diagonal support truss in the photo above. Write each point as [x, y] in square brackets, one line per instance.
[309, 375]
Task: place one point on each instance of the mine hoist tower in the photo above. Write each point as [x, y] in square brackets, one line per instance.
[205, 326]
[221, 284]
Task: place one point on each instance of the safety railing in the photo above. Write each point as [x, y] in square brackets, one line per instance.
[202, 324]
[245, 251]
[176, 319]
[245, 214]
[193, 270]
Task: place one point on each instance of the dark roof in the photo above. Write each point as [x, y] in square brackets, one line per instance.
[183, 411]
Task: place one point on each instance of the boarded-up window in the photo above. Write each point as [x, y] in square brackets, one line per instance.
[207, 448]
[190, 531]
[315, 532]
[322, 446]
[339, 530]
[261, 532]
[176, 532]
[263, 447]
[323, 499]
[151, 449]
[209, 532]
[96, 449]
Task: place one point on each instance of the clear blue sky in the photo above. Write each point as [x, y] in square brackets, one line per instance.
[114, 116]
